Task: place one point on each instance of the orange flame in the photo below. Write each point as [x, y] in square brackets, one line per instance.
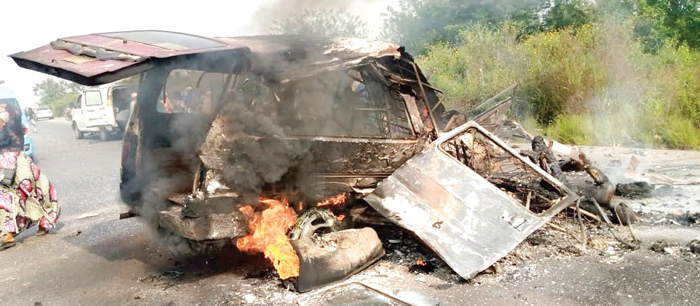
[340, 217]
[269, 235]
[334, 200]
[420, 262]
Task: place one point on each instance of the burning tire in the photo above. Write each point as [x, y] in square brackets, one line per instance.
[314, 220]
[182, 247]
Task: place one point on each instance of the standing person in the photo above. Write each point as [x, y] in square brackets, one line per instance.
[26, 195]
[67, 113]
[132, 104]
[207, 103]
[32, 118]
[177, 104]
[188, 100]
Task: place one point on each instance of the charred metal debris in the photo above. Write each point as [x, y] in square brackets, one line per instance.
[294, 147]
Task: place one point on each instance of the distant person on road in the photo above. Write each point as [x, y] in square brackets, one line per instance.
[26, 195]
[32, 118]
[68, 113]
[30, 113]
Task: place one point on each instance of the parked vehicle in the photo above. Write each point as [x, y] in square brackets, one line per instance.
[43, 112]
[8, 95]
[97, 108]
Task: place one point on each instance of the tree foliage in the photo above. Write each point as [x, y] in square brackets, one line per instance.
[322, 22]
[589, 72]
[553, 15]
[661, 20]
[57, 94]
[418, 23]
[588, 85]
[566, 13]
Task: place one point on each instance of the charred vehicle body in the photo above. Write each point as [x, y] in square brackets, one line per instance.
[281, 143]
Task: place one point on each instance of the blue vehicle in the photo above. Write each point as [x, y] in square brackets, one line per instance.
[28, 142]
[8, 95]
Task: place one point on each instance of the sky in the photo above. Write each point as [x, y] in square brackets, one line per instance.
[28, 24]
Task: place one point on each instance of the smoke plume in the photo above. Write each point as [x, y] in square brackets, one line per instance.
[369, 11]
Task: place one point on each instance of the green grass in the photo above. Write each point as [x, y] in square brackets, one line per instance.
[591, 85]
[583, 129]
[572, 129]
[678, 133]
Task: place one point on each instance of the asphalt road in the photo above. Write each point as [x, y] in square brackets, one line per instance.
[96, 259]
[92, 252]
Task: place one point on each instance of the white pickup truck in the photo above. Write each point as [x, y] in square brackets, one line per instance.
[103, 110]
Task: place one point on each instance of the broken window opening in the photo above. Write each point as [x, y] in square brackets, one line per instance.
[389, 111]
[409, 80]
[350, 103]
[191, 91]
[522, 183]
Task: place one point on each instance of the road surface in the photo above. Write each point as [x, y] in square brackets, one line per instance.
[96, 259]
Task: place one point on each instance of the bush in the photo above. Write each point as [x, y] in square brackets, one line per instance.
[556, 70]
[590, 85]
[573, 129]
[678, 133]
[562, 74]
[476, 68]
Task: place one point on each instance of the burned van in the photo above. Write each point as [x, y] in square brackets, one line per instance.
[295, 136]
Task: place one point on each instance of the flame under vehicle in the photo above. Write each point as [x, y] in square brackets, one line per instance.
[256, 139]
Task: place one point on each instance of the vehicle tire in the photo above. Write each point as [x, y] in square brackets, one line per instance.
[50, 118]
[314, 220]
[183, 248]
[104, 135]
[78, 134]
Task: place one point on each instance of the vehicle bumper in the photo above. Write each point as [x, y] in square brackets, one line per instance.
[94, 129]
[110, 128]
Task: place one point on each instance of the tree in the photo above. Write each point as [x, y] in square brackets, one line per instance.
[660, 20]
[48, 91]
[567, 13]
[60, 105]
[322, 22]
[554, 15]
[418, 23]
[679, 19]
[57, 94]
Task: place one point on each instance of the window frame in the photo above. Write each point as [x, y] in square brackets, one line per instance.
[93, 91]
[391, 101]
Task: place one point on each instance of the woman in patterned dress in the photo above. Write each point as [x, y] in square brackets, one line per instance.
[26, 195]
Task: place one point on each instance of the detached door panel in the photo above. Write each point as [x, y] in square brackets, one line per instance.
[451, 203]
